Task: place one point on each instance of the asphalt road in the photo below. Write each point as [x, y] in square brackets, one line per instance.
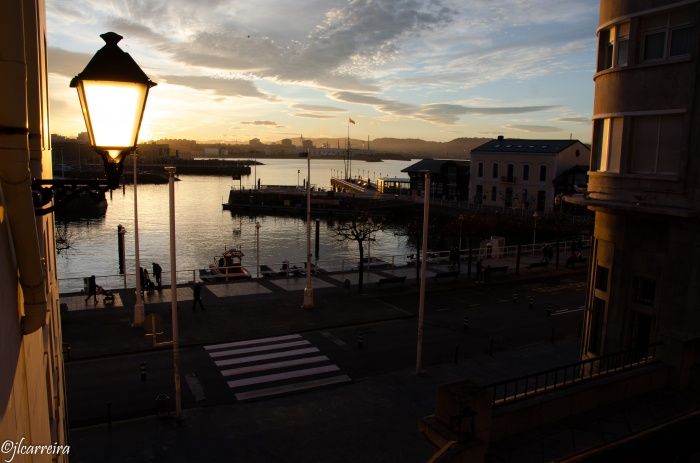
[112, 387]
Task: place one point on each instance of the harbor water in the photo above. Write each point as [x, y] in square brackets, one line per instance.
[204, 230]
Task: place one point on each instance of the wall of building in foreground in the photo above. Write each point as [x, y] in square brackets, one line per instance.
[32, 408]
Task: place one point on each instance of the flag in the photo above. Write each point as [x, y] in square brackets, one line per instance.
[351, 121]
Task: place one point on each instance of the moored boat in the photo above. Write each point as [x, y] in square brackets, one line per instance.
[227, 267]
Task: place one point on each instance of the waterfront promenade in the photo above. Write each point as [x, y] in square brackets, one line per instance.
[371, 417]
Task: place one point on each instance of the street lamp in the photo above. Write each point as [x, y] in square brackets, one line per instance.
[423, 271]
[534, 231]
[308, 290]
[173, 293]
[113, 91]
[257, 248]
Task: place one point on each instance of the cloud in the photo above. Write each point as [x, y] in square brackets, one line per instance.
[259, 123]
[315, 116]
[360, 30]
[315, 107]
[533, 128]
[583, 120]
[437, 113]
[224, 87]
[66, 63]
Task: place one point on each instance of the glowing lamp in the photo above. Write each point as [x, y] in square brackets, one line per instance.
[112, 90]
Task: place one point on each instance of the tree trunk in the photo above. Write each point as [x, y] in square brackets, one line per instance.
[361, 267]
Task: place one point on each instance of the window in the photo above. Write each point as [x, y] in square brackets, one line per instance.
[644, 290]
[526, 172]
[613, 46]
[667, 35]
[494, 193]
[543, 173]
[605, 50]
[480, 171]
[595, 336]
[509, 172]
[607, 145]
[526, 199]
[494, 172]
[657, 143]
[478, 198]
[601, 278]
[681, 41]
[622, 41]
[541, 200]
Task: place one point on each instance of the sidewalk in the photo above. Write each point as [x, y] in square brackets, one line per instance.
[254, 308]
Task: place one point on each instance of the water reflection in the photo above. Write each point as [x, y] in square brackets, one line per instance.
[204, 230]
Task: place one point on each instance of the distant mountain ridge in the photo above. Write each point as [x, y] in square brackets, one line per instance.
[459, 148]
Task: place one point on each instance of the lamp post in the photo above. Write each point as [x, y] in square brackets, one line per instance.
[534, 230]
[173, 293]
[308, 290]
[113, 91]
[461, 219]
[423, 271]
[257, 248]
[139, 312]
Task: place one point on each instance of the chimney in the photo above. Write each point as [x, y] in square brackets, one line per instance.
[500, 137]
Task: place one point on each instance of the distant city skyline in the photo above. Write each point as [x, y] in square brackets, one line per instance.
[436, 70]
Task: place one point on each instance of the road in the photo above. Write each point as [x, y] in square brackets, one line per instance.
[112, 387]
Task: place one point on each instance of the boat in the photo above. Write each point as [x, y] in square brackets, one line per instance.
[226, 267]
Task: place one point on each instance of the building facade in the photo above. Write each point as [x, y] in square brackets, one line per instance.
[644, 183]
[32, 392]
[449, 178]
[518, 173]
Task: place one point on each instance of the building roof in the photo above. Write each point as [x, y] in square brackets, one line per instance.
[395, 179]
[433, 165]
[521, 145]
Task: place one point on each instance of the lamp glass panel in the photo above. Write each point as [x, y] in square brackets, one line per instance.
[115, 110]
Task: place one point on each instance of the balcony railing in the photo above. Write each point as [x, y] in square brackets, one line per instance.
[524, 387]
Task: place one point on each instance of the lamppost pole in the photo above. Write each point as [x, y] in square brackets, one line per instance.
[423, 272]
[309, 290]
[139, 312]
[257, 249]
[173, 294]
[461, 219]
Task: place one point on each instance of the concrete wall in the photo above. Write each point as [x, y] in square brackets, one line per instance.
[31, 366]
[549, 408]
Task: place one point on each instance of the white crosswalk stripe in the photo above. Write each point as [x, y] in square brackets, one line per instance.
[278, 365]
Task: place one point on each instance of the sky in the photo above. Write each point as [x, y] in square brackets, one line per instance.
[233, 70]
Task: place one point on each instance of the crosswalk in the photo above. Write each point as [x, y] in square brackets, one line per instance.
[266, 367]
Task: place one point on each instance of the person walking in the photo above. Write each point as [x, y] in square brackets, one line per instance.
[197, 292]
[157, 272]
[91, 289]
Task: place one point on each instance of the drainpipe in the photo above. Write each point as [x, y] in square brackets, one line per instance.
[15, 176]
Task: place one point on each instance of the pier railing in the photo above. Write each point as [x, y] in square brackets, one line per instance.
[502, 257]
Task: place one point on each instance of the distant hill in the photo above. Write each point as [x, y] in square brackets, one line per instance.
[459, 148]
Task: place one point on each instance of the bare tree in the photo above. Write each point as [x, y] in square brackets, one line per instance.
[359, 229]
[64, 237]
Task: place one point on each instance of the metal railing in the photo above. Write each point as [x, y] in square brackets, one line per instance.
[544, 382]
[291, 269]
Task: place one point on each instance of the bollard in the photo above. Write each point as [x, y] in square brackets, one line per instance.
[360, 341]
[109, 415]
[515, 298]
[143, 371]
[465, 323]
[531, 303]
[456, 360]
